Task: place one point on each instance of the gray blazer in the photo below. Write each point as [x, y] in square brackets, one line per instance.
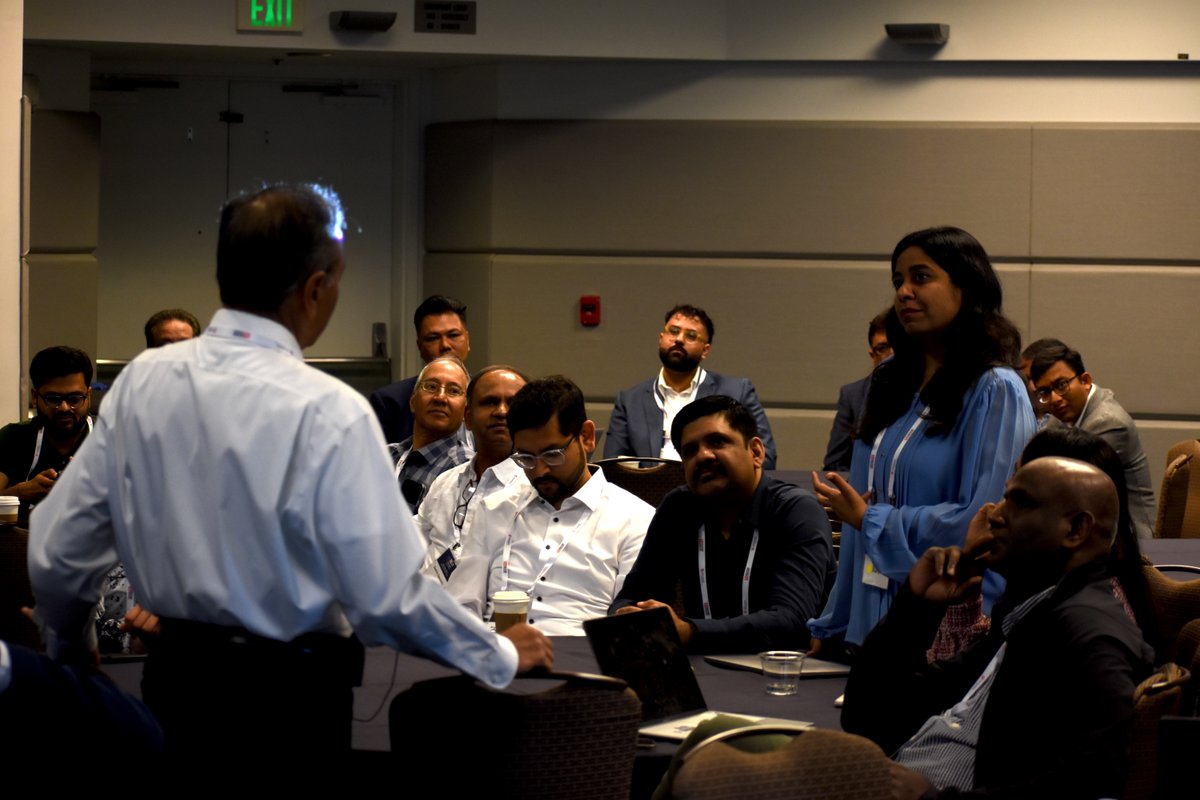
[636, 426]
[1104, 417]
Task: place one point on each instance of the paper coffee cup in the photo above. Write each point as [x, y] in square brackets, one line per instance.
[9, 506]
[511, 608]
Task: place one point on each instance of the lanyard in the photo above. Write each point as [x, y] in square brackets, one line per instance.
[891, 483]
[37, 448]
[246, 336]
[549, 561]
[700, 558]
[401, 457]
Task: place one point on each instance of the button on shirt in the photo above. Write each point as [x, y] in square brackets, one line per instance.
[608, 525]
[244, 488]
[435, 519]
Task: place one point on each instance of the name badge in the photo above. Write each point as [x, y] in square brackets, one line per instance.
[872, 576]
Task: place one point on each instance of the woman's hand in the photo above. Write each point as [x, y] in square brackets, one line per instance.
[849, 506]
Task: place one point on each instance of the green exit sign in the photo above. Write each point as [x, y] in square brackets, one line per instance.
[270, 16]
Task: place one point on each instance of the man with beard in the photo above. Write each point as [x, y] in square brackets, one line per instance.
[752, 555]
[33, 453]
[642, 415]
[569, 538]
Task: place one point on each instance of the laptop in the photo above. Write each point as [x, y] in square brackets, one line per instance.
[644, 650]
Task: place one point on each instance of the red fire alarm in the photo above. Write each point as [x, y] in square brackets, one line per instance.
[589, 310]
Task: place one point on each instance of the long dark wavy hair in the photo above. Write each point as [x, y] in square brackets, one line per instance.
[979, 338]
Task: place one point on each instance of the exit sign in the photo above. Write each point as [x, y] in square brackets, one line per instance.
[270, 16]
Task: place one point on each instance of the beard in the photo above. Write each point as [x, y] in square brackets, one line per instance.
[676, 359]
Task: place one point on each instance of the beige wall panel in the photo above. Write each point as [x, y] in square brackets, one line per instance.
[724, 187]
[1116, 193]
[1135, 326]
[64, 186]
[458, 187]
[467, 278]
[62, 302]
[801, 436]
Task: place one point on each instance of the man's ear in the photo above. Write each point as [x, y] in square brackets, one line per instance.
[1083, 524]
[759, 451]
[1085, 379]
[587, 436]
[312, 290]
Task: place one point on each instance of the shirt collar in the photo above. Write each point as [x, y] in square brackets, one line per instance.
[228, 320]
[696, 378]
[1086, 403]
[590, 495]
[505, 471]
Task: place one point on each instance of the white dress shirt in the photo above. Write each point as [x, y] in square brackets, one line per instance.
[606, 525]
[435, 519]
[672, 402]
[244, 488]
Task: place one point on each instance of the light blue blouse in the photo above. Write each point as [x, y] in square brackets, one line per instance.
[941, 482]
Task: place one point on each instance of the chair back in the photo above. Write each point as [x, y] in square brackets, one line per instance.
[817, 763]
[1176, 603]
[1179, 500]
[647, 478]
[554, 736]
[1159, 695]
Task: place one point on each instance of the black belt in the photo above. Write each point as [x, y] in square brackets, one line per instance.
[340, 657]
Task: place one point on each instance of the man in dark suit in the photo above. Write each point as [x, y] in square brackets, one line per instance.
[641, 420]
[1064, 388]
[852, 400]
[441, 325]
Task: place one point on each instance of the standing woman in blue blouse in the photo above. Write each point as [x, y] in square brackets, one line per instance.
[946, 419]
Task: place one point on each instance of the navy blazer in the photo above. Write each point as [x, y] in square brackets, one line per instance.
[392, 408]
[636, 428]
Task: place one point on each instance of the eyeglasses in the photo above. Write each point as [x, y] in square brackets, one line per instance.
[675, 332]
[1058, 387]
[553, 457]
[54, 400]
[452, 390]
[464, 502]
[882, 349]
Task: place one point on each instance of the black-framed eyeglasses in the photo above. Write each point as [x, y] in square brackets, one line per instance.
[54, 399]
[452, 390]
[553, 457]
[882, 349]
[1058, 387]
[674, 331]
[464, 502]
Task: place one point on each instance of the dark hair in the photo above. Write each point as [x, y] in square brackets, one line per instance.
[878, 323]
[1031, 352]
[979, 338]
[272, 241]
[1048, 356]
[736, 414]
[1125, 559]
[438, 304]
[166, 315]
[486, 370]
[693, 312]
[536, 401]
[56, 362]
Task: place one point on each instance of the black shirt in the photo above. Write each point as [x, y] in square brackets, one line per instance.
[17, 443]
[792, 573]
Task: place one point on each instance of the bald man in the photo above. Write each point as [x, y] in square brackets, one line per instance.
[1041, 707]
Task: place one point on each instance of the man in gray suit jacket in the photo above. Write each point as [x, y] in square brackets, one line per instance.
[852, 400]
[1064, 388]
[642, 415]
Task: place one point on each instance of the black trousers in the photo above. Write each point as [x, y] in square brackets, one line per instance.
[226, 692]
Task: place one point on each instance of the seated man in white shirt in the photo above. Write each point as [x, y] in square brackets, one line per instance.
[570, 537]
[449, 507]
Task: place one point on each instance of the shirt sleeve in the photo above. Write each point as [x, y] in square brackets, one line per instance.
[375, 556]
[72, 546]
[998, 423]
[656, 569]
[797, 574]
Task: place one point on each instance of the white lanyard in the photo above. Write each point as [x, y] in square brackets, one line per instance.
[890, 497]
[37, 448]
[400, 459]
[700, 558]
[549, 561]
[246, 336]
